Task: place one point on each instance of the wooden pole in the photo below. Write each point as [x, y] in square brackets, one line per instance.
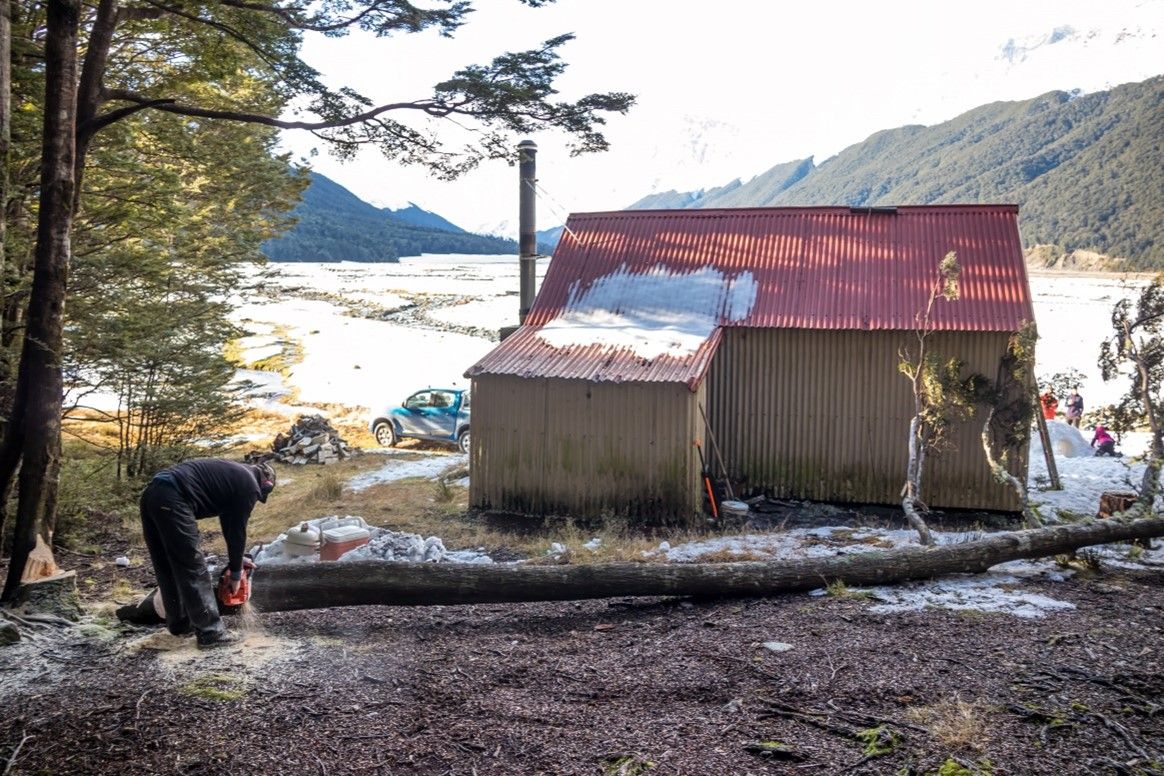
[1045, 438]
[727, 482]
[285, 587]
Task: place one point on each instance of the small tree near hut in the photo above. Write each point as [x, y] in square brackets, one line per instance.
[1136, 346]
[941, 396]
[1007, 428]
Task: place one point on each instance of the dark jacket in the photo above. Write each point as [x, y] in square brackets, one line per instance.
[227, 489]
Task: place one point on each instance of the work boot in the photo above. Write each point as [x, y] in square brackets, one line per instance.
[222, 638]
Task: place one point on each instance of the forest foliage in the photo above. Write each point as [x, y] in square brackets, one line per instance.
[139, 177]
[1087, 171]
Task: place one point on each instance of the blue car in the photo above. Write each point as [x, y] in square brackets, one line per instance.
[435, 414]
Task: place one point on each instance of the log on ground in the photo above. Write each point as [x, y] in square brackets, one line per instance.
[370, 583]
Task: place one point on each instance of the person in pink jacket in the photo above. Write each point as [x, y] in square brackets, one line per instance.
[1102, 442]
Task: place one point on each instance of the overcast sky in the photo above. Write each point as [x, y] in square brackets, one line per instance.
[730, 88]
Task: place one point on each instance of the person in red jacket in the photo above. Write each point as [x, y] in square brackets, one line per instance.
[1102, 442]
[1050, 404]
[171, 505]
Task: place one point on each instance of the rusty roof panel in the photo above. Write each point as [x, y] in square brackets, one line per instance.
[669, 278]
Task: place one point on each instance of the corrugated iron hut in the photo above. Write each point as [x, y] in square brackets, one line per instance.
[783, 324]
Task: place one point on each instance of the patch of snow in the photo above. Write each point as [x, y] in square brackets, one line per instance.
[429, 466]
[1066, 440]
[1083, 477]
[473, 312]
[656, 313]
[383, 544]
[989, 592]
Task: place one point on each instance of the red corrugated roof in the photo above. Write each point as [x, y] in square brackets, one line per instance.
[814, 268]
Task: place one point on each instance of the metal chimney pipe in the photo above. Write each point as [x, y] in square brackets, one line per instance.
[527, 241]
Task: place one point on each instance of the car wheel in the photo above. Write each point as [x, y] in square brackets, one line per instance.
[385, 434]
[463, 441]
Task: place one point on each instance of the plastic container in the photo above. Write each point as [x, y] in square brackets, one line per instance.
[341, 539]
[301, 541]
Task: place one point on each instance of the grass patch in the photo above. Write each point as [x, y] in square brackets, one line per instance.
[731, 556]
[952, 767]
[625, 765]
[221, 688]
[956, 724]
[879, 741]
[1087, 562]
[327, 487]
[838, 589]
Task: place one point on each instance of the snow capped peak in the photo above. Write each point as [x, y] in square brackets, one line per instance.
[394, 204]
[1015, 51]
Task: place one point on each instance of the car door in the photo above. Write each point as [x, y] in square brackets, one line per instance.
[443, 414]
[414, 421]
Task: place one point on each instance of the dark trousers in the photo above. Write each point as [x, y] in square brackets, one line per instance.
[1106, 448]
[171, 534]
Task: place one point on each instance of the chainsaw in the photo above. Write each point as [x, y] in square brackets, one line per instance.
[232, 602]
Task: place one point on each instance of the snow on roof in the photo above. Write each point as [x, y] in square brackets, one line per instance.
[656, 313]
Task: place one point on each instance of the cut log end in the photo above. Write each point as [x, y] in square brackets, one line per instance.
[40, 564]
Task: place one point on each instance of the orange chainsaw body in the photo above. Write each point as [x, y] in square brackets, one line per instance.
[232, 602]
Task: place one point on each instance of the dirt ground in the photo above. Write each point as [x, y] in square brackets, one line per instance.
[791, 684]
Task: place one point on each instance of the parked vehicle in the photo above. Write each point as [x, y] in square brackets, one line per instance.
[435, 414]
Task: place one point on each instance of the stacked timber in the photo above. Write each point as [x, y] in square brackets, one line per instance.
[311, 439]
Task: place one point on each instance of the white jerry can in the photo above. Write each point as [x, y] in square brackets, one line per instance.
[301, 541]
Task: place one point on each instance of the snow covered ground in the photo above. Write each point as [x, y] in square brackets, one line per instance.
[415, 336]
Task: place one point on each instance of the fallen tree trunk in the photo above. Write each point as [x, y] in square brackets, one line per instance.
[364, 583]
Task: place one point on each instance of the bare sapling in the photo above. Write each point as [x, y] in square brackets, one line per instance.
[1136, 346]
[941, 395]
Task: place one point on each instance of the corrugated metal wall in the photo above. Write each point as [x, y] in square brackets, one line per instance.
[824, 415]
[554, 446]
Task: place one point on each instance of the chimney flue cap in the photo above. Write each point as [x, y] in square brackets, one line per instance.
[527, 143]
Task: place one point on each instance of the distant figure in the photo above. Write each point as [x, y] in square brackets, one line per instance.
[1103, 443]
[1074, 408]
[1050, 404]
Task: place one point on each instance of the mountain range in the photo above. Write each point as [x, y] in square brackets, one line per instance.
[1086, 170]
[333, 224]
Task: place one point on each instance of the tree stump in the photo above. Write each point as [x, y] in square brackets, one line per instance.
[1113, 501]
[53, 595]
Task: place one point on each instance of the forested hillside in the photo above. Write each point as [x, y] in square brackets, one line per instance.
[1087, 171]
[335, 225]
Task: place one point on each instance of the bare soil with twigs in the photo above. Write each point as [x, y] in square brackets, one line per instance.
[790, 684]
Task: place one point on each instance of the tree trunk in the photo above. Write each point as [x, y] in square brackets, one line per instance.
[32, 438]
[1000, 473]
[5, 144]
[284, 587]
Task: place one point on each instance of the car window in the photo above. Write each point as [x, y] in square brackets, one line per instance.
[418, 400]
[465, 400]
[442, 399]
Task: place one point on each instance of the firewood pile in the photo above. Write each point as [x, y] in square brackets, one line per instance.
[311, 439]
